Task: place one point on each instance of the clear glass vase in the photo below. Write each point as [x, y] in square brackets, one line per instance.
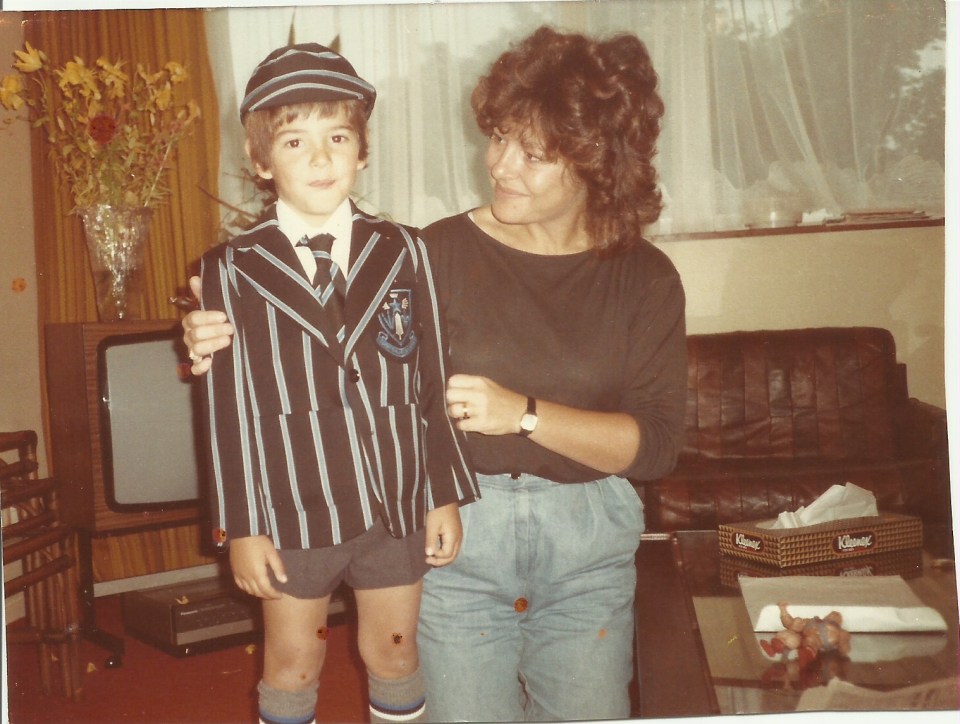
[116, 239]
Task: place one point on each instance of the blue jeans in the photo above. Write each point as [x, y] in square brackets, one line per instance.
[534, 620]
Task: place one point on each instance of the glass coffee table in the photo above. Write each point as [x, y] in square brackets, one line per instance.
[697, 653]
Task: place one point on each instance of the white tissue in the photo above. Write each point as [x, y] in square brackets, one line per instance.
[838, 502]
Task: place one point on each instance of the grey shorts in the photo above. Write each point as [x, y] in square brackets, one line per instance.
[374, 559]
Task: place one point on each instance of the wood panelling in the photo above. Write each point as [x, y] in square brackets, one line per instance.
[150, 551]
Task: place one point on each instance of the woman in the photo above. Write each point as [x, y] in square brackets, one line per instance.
[566, 332]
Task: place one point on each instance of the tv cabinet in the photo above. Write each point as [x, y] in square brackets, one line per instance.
[76, 443]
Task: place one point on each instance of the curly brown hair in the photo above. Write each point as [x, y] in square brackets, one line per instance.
[594, 105]
[262, 126]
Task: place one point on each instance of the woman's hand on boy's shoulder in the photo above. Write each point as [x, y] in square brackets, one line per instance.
[204, 332]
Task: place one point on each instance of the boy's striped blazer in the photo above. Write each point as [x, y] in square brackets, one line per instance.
[315, 433]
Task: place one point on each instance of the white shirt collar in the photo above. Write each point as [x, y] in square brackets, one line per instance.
[340, 225]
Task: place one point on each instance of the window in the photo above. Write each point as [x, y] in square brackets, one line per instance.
[784, 106]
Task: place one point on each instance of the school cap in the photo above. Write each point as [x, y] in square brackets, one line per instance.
[304, 73]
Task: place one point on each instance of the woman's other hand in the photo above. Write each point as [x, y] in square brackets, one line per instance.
[204, 332]
[479, 404]
[604, 441]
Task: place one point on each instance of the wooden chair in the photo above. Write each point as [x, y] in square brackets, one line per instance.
[34, 536]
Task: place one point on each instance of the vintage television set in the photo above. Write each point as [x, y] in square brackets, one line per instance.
[124, 425]
[126, 440]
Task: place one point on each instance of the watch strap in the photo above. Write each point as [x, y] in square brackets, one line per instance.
[531, 412]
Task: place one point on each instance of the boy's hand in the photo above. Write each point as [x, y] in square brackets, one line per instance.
[249, 559]
[204, 332]
[444, 535]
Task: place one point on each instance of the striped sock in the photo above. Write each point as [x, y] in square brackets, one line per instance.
[397, 700]
[286, 707]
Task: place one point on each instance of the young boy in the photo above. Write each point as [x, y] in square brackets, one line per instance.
[330, 446]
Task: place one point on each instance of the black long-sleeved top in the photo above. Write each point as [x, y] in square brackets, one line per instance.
[597, 333]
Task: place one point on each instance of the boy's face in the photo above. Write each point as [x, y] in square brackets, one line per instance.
[314, 163]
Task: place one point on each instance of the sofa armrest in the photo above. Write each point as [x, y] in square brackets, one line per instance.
[921, 430]
[922, 434]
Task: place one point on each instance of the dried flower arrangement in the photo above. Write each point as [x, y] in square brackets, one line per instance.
[112, 132]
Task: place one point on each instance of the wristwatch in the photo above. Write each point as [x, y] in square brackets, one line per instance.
[528, 423]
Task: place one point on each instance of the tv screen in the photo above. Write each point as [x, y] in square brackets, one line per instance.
[149, 413]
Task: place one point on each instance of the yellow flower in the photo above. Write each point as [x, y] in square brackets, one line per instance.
[151, 79]
[31, 60]
[112, 130]
[10, 90]
[193, 111]
[76, 73]
[113, 77]
[164, 97]
[177, 72]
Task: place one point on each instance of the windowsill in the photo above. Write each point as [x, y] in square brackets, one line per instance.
[790, 230]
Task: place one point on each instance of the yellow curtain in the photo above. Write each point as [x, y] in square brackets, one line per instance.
[184, 224]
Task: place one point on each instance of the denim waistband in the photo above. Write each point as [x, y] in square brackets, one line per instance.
[528, 481]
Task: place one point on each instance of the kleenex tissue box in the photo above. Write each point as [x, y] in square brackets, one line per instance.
[831, 541]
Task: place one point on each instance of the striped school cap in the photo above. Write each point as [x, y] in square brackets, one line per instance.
[304, 73]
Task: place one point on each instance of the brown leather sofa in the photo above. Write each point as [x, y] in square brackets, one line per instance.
[774, 418]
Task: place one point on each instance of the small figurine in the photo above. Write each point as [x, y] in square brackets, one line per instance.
[791, 676]
[808, 636]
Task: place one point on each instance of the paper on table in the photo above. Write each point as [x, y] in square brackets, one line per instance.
[871, 603]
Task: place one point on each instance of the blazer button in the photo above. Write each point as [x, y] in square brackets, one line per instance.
[354, 375]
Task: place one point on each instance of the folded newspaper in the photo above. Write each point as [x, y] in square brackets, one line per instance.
[867, 604]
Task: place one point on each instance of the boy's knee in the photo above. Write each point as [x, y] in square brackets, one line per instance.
[293, 671]
[392, 658]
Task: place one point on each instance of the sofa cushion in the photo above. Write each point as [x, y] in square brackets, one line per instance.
[817, 394]
[702, 494]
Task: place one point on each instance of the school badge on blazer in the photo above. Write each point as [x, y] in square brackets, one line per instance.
[396, 336]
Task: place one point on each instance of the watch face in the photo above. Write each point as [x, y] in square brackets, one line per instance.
[528, 422]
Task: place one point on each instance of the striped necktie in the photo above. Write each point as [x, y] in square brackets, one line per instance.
[328, 279]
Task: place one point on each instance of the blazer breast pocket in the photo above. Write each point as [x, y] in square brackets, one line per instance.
[397, 331]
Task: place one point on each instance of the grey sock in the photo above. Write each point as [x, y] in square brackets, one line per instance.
[287, 707]
[397, 700]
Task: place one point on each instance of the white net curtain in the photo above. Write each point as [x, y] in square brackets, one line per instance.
[810, 105]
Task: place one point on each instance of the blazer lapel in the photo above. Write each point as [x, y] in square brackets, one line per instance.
[377, 256]
[266, 259]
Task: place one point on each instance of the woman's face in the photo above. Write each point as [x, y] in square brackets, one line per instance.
[527, 189]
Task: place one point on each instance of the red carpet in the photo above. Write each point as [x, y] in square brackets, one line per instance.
[154, 687]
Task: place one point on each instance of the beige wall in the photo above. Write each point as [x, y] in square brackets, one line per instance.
[891, 278]
[19, 350]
